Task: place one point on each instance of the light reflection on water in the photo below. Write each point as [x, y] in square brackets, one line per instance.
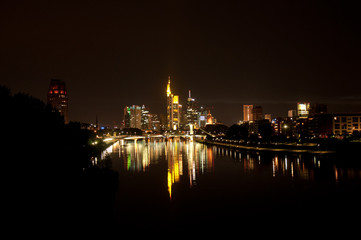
[166, 183]
[194, 157]
[184, 158]
[188, 160]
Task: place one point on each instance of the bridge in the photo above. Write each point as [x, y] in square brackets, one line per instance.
[165, 137]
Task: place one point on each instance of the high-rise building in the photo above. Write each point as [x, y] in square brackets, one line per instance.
[247, 113]
[303, 109]
[320, 125]
[163, 122]
[202, 117]
[133, 117]
[210, 119]
[268, 117]
[155, 122]
[192, 111]
[176, 112]
[145, 119]
[58, 98]
[317, 108]
[291, 113]
[257, 112]
[173, 109]
[169, 106]
[180, 116]
[346, 123]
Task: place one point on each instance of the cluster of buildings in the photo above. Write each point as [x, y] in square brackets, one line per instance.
[140, 117]
[306, 121]
[177, 117]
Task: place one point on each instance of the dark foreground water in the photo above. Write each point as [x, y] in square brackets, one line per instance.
[182, 186]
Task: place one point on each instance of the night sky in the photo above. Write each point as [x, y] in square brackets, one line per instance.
[228, 53]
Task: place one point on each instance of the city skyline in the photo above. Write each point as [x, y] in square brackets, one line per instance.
[298, 108]
[125, 118]
[117, 54]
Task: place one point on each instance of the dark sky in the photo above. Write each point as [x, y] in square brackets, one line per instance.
[228, 53]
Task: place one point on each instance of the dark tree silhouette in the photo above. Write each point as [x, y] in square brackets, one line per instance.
[46, 164]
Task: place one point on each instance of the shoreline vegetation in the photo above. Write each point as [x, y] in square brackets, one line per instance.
[48, 170]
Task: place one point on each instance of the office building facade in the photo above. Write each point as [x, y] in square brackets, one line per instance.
[247, 113]
[191, 116]
[347, 123]
[303, 109]
[133, 117]
[257, 113]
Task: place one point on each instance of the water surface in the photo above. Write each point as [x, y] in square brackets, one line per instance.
[184, 184]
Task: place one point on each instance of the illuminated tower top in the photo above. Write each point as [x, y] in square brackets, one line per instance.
[168, 87]
[58, 97]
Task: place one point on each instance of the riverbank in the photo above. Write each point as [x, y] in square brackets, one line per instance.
[263, 148]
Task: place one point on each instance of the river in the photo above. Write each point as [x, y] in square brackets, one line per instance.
[183, 184]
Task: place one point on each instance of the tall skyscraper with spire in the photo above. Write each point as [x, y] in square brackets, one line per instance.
[169, 105]
[173, 109]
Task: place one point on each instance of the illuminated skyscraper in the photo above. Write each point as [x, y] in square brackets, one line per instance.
[303, 109]
[173, 109]
[192, 111]
[209, 118]
[145, 119]
[58, 98]
[176, 112]
[155, 122]
[202, 117]
[247, 113]
[169, 106]
[133, 117]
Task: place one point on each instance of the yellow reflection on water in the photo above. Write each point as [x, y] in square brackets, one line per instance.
[187, 161]
[197, 157]
[175, 163]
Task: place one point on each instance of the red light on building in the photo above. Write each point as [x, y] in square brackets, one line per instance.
[58, 99]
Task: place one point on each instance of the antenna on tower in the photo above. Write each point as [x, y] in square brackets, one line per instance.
[189, 93]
